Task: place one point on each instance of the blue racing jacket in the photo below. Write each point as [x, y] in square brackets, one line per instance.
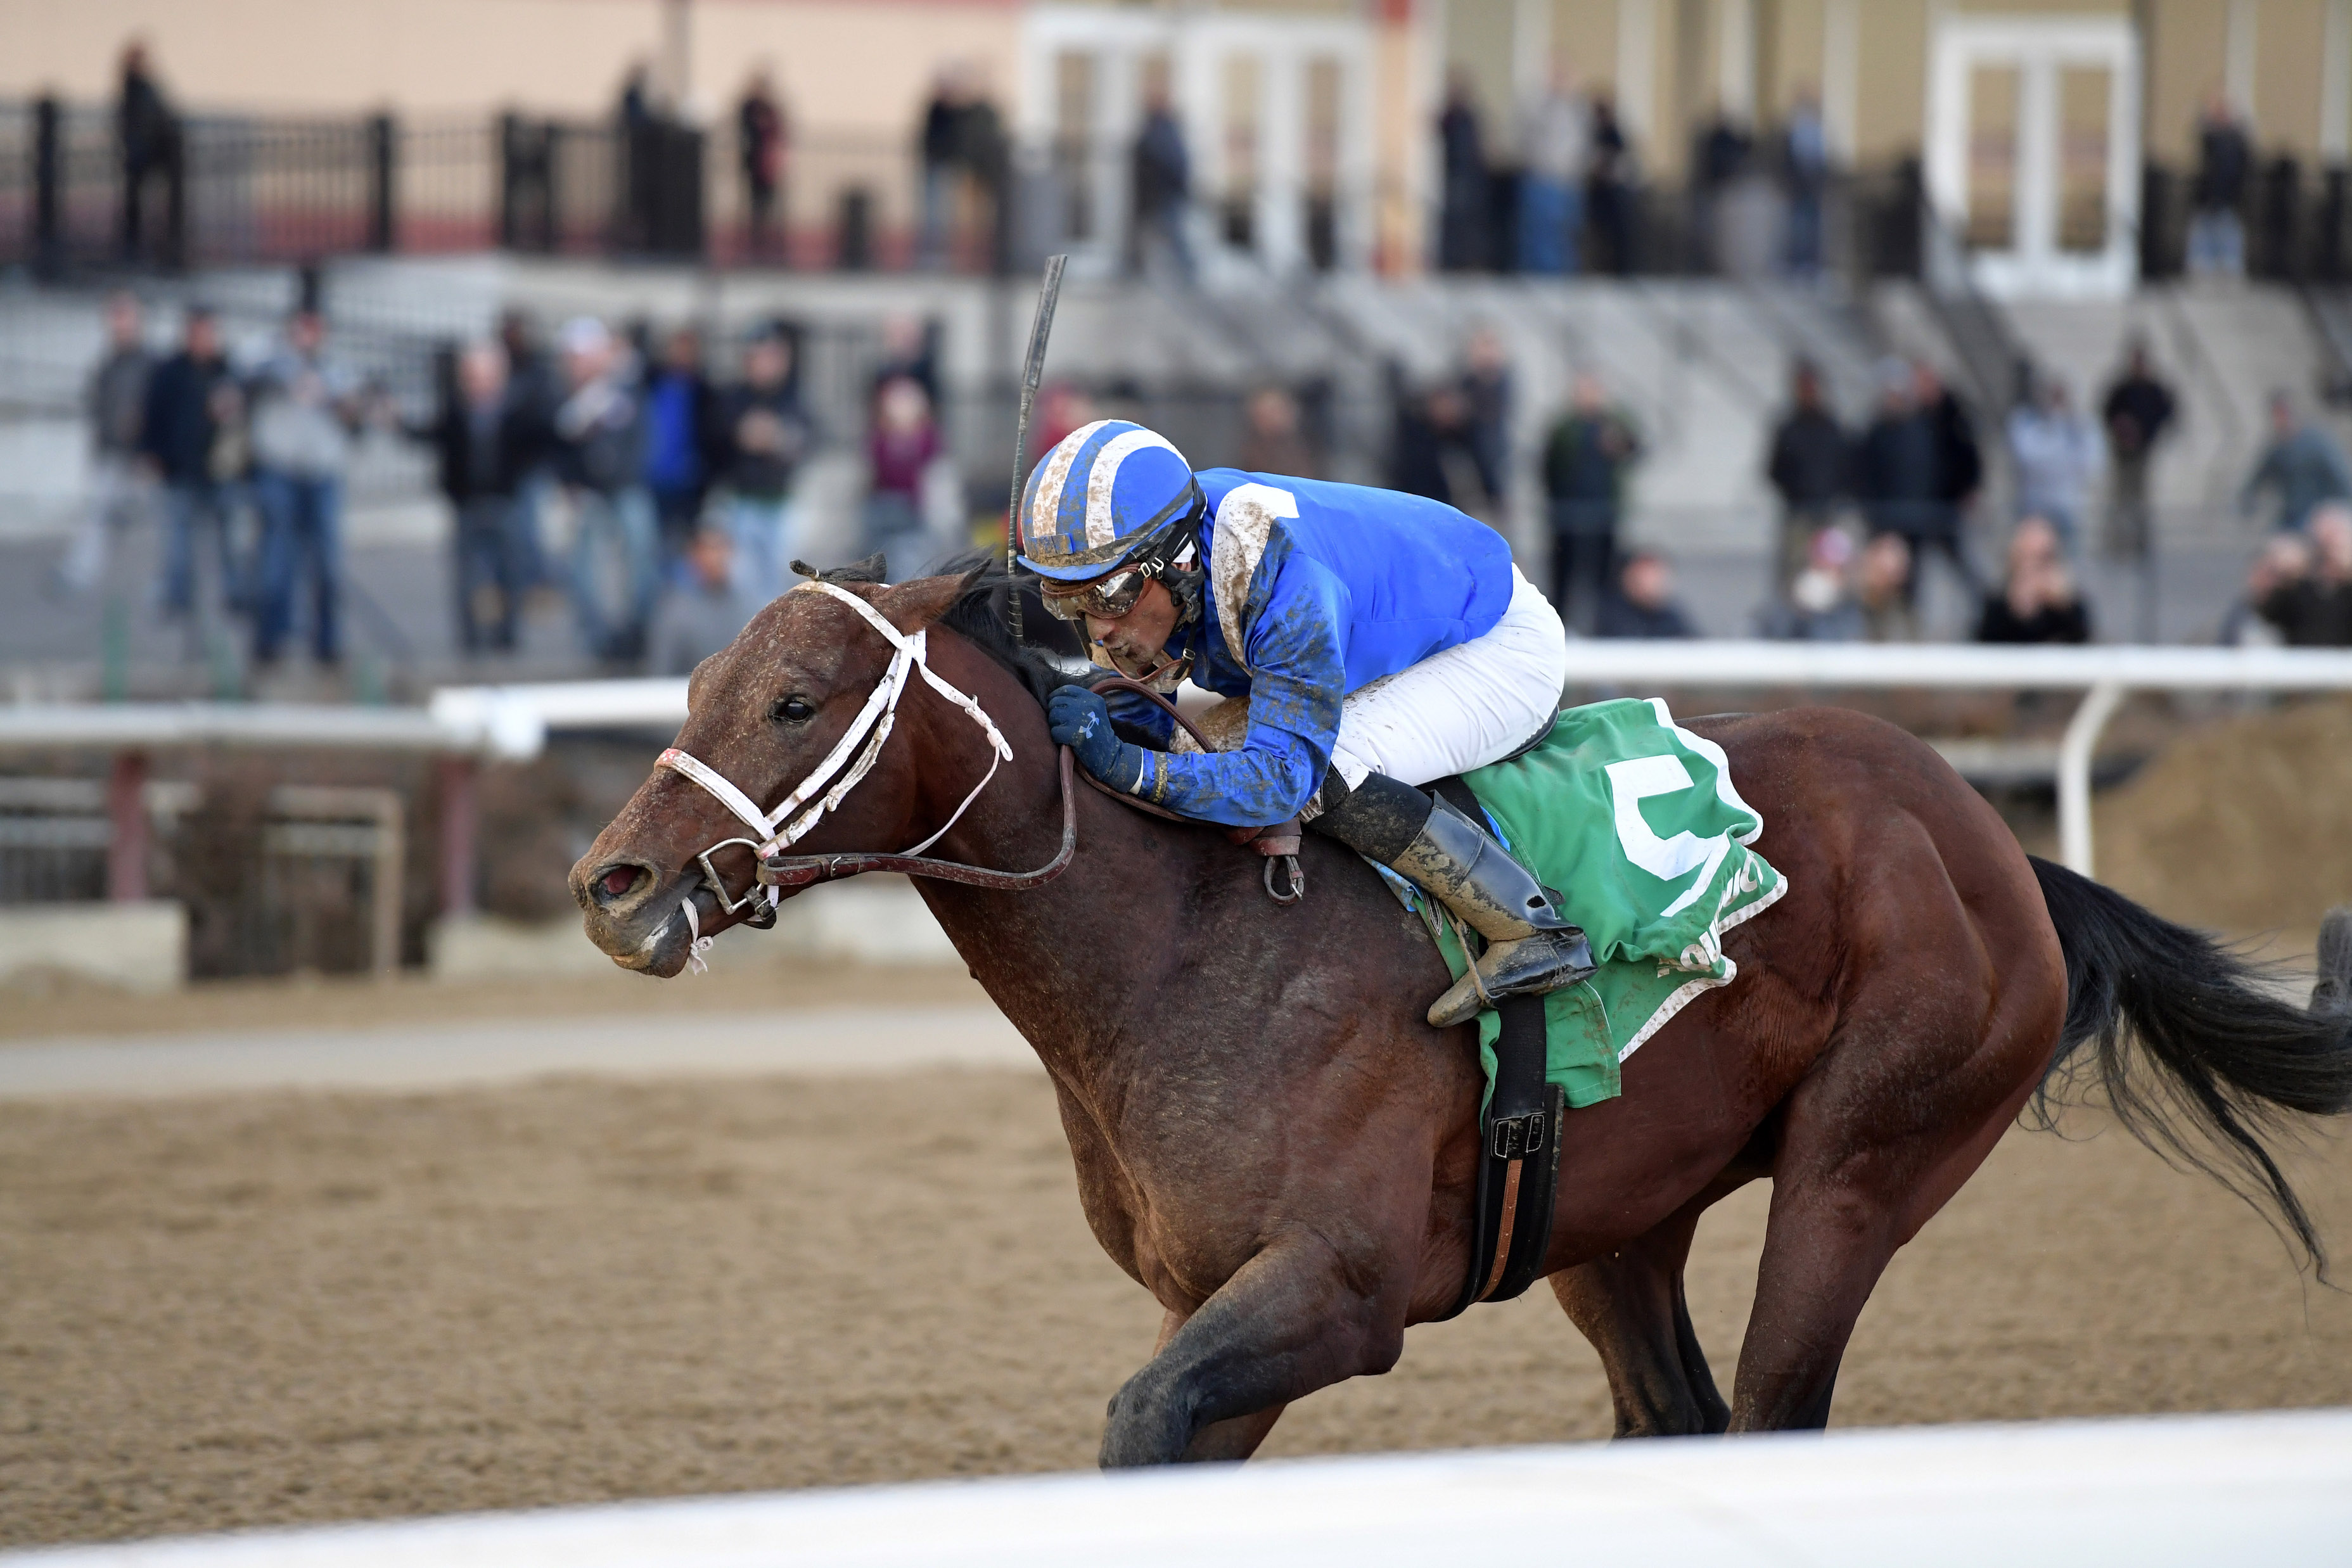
[1314, 589]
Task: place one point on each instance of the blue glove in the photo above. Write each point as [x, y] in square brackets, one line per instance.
[1080, 720]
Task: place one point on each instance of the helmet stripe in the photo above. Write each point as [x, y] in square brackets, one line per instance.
[1087, 449]
[1046, 503]
[1101, 527]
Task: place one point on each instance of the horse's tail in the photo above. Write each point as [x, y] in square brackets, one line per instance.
[2222, 1058]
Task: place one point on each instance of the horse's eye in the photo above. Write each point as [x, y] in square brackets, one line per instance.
[791, 710]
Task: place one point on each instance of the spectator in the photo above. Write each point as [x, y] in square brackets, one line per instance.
[904, 443]
[683, 440]
[1642, 604]
[1556, 158]
[534, 387]
[1897, 464]
[759, 149]
[147, 137]
[2225, 158]
[1486, 386]
[769, 434]
[911, 347]
[192, 433]
[2303, 463]
[1883, 589]
[1163, 185]
[1720, 154]
[2057, 455]
[940, 145]
[1586, 462]
[2283, 559]
[1918, 467]
[1430, 421]
[1462, 219]
[484, 440]
[1608, 188]
[701, 612]
[2310, 601]
[121, 493]
[1819, 605]
[1959, 463]
[1271, 442]
[306, 410]
[532, 378]
[599, 462]
[1809, 467]
[1805, 174]
[637, 134]
[986, 153]
[2138, 410]
[2038, 601]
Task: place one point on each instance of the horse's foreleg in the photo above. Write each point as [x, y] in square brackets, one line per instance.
[1234, 1439]
[1292, 1320]
[1630, 1304]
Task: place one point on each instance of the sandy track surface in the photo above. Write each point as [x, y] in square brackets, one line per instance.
[260, 1308]
[463, 1055]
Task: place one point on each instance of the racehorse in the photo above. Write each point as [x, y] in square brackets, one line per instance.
[1270, 1138]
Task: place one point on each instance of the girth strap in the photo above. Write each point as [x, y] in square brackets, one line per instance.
[1519, 1143]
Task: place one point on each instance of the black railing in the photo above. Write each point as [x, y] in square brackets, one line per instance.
[231, 190]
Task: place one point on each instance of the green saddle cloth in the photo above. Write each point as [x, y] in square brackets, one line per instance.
[1635, 822]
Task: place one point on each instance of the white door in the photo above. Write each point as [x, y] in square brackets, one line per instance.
[2033, 152]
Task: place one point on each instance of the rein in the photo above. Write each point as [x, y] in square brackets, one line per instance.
[911, 655]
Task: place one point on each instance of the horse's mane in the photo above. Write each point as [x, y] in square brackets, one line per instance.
[1049, 654]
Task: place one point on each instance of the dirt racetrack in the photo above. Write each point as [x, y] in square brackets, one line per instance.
[256, 1309]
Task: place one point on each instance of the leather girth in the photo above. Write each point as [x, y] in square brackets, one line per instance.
[1518, 1138]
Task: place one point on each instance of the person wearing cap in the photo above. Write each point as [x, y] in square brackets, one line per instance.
[1378, 641]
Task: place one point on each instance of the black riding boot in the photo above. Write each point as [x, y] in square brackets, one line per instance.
[1530, 948]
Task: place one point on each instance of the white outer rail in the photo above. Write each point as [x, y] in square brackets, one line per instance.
[2105, 674]
[2274, 1489]
[515, 721]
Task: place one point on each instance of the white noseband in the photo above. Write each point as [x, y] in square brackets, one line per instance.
[872, 726]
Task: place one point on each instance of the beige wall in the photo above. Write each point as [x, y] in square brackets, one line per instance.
[853, 65]
[2186, 42]
[2287, 61]
[863, 66]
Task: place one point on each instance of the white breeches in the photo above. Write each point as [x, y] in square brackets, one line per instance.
[1472, 704]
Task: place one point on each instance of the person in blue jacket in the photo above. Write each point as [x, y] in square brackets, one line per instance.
[1379, 642]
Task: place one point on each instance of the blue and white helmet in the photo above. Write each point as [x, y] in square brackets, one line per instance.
[1105, 491]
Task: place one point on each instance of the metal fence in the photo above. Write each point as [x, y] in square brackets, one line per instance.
[277, 878]
[234, 189]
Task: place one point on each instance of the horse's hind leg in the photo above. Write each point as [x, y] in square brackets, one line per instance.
[1900, 1111]
[1631, 1305]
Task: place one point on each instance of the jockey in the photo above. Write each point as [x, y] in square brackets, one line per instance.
[1382, 641]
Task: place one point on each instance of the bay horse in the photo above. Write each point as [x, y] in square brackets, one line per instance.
[1272, 1140]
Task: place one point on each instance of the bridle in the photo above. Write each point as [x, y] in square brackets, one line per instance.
[813, 797]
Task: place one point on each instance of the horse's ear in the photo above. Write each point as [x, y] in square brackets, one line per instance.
[911, 606]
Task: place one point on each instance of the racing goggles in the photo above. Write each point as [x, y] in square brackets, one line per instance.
[1108, 597]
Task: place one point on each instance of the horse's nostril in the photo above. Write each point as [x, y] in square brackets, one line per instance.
[619, 880]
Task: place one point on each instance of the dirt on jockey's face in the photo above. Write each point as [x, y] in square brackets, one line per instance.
[1136, 640]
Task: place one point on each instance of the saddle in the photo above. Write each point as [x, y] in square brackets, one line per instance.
[1519, 1165]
